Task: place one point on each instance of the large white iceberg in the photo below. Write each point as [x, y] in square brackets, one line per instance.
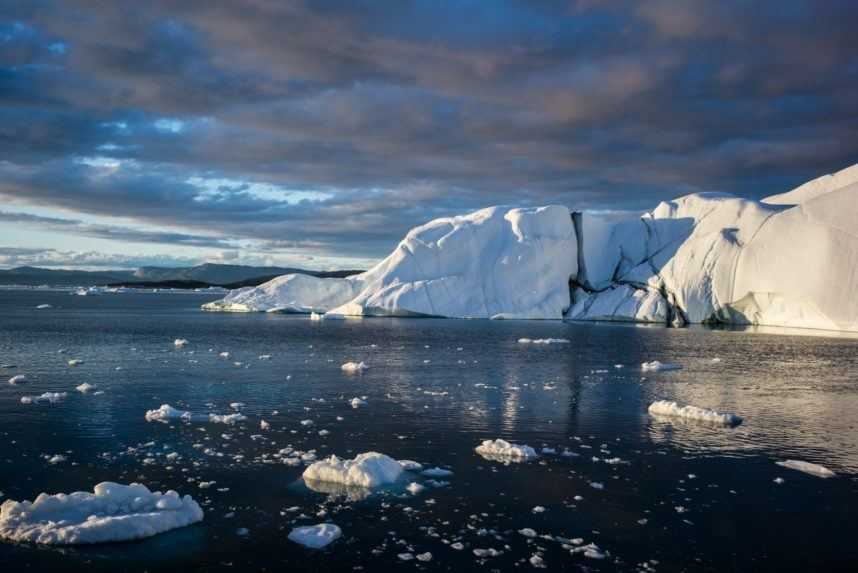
[788, 260]
[113, 512]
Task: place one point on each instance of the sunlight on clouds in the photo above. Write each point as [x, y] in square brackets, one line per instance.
[214, 188]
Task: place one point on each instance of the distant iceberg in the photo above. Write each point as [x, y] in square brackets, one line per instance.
[788, 260]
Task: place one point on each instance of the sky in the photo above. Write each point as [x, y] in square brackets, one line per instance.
[316, 134]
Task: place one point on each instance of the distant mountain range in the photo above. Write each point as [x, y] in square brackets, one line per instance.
[200, 275]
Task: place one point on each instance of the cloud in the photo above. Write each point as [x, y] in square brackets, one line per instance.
[384, 115]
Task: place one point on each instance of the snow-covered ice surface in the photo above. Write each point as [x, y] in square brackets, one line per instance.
[703, 258]
[315, 536]
[612, 488]
[501, 450]
[669, 409]
[112, 512]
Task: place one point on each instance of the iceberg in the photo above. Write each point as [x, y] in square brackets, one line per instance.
[787, 260]
[113, 512]
[367, 470]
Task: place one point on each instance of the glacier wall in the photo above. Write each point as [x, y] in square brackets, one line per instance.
[789, 260]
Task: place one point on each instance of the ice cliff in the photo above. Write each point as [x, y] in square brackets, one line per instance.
[788, 260]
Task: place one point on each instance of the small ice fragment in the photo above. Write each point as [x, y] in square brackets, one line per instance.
[357, 402]
[656, 366]
[86, 387]
[44, 306]
[528, 532]
[415, 488]
[424, 557]
[224, 354]
[19, 379]
[75, 362]
[410, 465]
[597, 485]
[779, 480]
[406, 556]
[264, 425]
[56, 459]
[306, 422]
[436, 472]
[354, 367]
[315, 536]
[538, 509]
[180, 342]
[544, 341]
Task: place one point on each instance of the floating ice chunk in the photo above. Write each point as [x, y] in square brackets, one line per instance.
[86, 387]
[357, 402]
[75, 362]
[436, 473]
[528, 532]
[180, 342]
[544, 341]
[316, 316]
[113, 512]
[656, 366]
[415, 488]
[44, 306]
[501, 450]
[224, 355]
[19, 379]
[405, 556]
[410, 465]
[354, 367]
[693, 413]
[263, 425]
[369, 469]
[166, 413]
[808, 468]
[237, 405]
[52, 397]
[315, 536]
[306, 422]
[425, 557]
[57, 459]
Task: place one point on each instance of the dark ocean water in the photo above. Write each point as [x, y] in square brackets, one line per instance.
[682, 497]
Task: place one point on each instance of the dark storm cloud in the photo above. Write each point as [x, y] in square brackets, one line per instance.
[401, 111]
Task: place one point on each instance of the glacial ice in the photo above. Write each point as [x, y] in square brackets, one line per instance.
[787, 260]
[113, 512]
[666, 408]
[369, 469]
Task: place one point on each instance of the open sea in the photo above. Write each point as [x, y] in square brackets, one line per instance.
[616, 490]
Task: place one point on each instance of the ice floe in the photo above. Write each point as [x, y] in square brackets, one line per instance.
[315, 536]
[166, 413]
[501, 450]
[808, 468]
[52, 397]
[113, 512]
[543, 341]
[369, 469]
[669, 409]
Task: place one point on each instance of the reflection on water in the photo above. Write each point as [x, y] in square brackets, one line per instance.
[434, 390]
